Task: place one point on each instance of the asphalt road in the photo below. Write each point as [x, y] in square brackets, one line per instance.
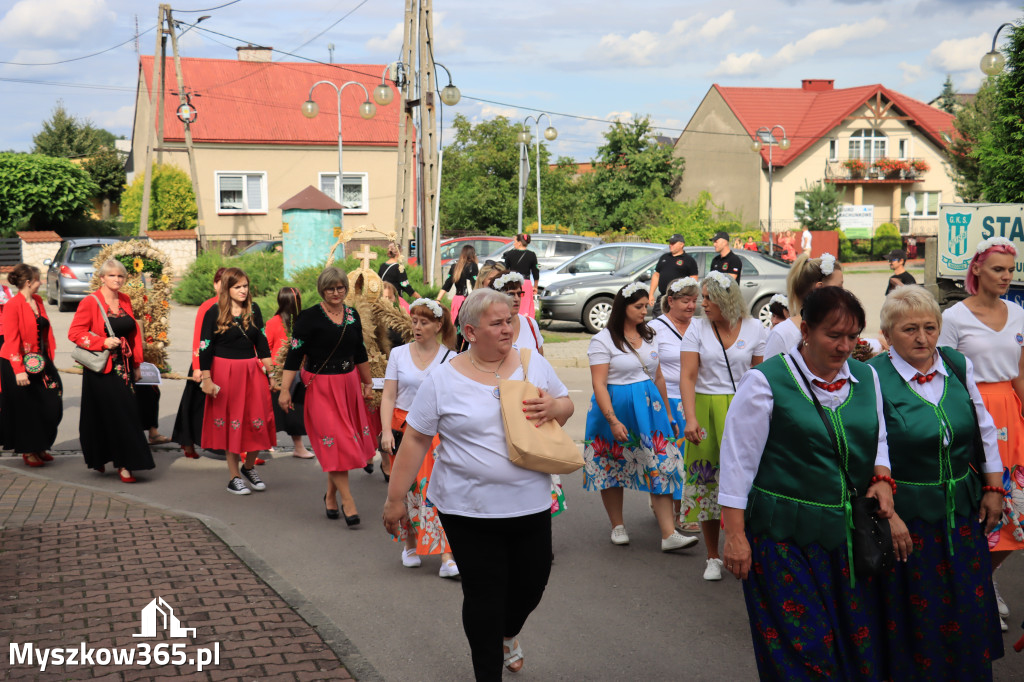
[609, 613]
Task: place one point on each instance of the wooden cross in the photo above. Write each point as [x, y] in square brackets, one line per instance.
[365, 255]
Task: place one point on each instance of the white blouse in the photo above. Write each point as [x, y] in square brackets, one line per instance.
[995, 354]
[749, 420]
[781, 338]
[526, 339]
[403, 370]
[713, 374]
[624, 366]
[668, 339]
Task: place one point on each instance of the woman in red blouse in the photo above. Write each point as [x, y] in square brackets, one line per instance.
[110, 428]
[30, 405]
[279, 333]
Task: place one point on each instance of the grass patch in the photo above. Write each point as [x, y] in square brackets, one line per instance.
[554, 337]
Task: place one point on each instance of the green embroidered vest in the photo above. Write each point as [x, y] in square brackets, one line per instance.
[799, 493]
[931, 469]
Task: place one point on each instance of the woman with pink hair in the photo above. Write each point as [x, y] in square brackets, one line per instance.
[990, 331]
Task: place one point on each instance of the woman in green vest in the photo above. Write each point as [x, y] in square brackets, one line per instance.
[785, 499]
[938, 602]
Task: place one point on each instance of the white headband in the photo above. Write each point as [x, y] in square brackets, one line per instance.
[631, 289]
[500, 282]
[723, 280]
[986, 244]
[779, 298]
[679, 284]
[828, 263]
[434, 306]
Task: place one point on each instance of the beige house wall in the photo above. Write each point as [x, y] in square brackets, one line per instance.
[719, 159]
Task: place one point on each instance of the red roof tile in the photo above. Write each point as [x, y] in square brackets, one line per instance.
[809, 114]
[311, 199]
[243, 102]
[39, 236]
[171, 234]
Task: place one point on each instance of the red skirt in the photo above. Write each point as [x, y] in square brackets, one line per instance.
[526, 306]
[337, 421]
[1004, 406]
[240, 418]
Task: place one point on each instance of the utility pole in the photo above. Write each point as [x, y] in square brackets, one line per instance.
[156, 102]
[404, 68]
[428, 142]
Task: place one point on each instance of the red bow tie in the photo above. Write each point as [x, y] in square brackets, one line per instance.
[831, 388]
[925, 378]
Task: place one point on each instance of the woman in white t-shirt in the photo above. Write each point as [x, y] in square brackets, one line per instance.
[525, 332]
[717, 350]
[496, 514]
[805, 275]
[990, 331]
[407, 366]
[630, 435]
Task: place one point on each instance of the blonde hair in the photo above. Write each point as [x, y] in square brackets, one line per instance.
[908, 299]
[691, 288]
[113, 264]
[489, 273]
[729, 300]
[803, 275]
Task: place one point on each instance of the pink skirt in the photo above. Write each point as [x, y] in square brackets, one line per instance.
[240, 418]
[457, 302]
[337, 421]
[526, 306]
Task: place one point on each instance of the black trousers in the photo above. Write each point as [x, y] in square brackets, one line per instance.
[504, 564]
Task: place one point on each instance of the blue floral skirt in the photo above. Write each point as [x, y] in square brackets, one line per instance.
[675, 408]
[649, 460]
[939, 609]
[806, 621]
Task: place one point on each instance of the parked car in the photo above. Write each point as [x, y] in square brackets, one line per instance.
[265, 246]
[484, 245]
[69, 272]
[552, 249]
[588, 300]
[603, 258]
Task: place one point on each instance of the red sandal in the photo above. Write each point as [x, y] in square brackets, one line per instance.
[33, 463]
[125, 479]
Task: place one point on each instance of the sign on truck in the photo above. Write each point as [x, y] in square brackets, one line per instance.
[962, 226]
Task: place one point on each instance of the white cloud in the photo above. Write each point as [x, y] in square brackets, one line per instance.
[737, 64]
[715, 26]
[390, 44]
[647, 48]
[122, 117]
[488, 111]
[911, 72]
[447, 38]
[32, 57]
[960, 54]
[54, 19]
[635, 50]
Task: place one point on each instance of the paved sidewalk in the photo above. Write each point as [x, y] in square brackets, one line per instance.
[77, 568]
[567, 353]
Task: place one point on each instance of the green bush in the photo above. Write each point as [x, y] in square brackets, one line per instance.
[172, 204]
[887, 238]
[197, 284]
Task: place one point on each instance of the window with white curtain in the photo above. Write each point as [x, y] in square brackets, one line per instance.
[241, 192]
[868, 145]
[355, 198]
[927, 204]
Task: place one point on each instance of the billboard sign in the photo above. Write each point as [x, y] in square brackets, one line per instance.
[962, 226]
[857, 221]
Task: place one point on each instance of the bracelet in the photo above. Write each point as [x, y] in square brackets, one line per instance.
[887, 479]
[993, 489]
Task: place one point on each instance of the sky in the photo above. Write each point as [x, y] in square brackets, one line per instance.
[583, 63]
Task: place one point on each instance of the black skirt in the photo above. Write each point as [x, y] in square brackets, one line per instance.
[149, 405]
[30, 415]
[293, 422]
[110, 428]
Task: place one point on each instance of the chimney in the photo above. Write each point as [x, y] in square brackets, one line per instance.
[812, 84]
[254, 53]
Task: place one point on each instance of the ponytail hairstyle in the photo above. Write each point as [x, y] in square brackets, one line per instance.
[523, 238]
[424, 308]
[289, 305]
[230, 278]
[804, 274]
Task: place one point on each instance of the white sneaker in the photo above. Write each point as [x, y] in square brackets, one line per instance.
[620, 536]
[677, 541]
[1004, 610]
[714, 570]
[449, 569]
[1002, 624]
[410, 559]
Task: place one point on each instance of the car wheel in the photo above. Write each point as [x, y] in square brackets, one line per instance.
[761, 311]
[595, 314]
[50, 300]
[62, 306]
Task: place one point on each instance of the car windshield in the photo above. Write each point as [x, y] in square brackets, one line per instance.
[636, 268]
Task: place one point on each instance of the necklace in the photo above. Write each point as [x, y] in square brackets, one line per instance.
[496, 392]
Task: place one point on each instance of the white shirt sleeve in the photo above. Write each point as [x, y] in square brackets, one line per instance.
[598, 352]
[746, 433]
[762, 341]
[882, 452]
[425, 415]
[949, 336]
[391, 372]
[989, 435]
[691, 339]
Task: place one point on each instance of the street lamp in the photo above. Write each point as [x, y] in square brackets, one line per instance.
[524, 163]
[367, 110]
[382, 94]
[765, 136]
[992, 63]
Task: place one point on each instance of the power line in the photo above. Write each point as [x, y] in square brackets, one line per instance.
[87, 56]
[208, 9]
[345, 16]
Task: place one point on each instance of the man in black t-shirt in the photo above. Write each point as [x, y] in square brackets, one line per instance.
[671, 266]
[898, 264]
[725, 261]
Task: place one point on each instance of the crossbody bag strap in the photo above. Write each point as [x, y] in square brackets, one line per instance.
[679, 336]
[446, 354]
[344, 324]
[828, 425]
[103, 312]
[726, 355]
[524, 360]
[979, 445]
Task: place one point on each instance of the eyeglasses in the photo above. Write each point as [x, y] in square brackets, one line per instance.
[336, 290]
[517, 294]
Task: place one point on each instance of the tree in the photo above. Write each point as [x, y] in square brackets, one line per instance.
[37, 191]
[947, 99]
[172, 204]
[973, 121]
[1000, 151]
[819, 209]
[64, 135]
[106, 168]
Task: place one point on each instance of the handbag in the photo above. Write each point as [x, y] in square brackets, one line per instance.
[94, 360]
[978, 458]
[547, 449]
[34, 362]
[870, 539]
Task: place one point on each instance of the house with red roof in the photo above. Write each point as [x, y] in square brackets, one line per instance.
[879, 146]
[254, 148]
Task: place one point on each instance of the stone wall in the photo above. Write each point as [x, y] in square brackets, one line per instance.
[180, 247]
[39, 246]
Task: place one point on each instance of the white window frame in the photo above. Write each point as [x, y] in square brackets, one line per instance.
[921, 210]
[833, 149]
[364, 181]
[903, 147]
[865, 144]
[245, 209]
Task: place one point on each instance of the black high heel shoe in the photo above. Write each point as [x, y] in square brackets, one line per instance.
[368, 468]
[332, 514]
[350, 520]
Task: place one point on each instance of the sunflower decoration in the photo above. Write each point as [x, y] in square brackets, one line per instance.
[149, 287]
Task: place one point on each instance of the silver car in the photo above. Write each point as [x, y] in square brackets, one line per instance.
[598, 260]
[588, 300]
[552, 249]
[69, 272]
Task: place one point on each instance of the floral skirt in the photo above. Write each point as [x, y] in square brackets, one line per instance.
[337, 421]
[430, 537]
[649, 460]
[806, 621]
[1005, 408]
[240, 418]
[700, 478]
[675, 409]
[939, 608]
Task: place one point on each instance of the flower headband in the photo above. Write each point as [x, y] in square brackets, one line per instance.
[828, 264]
[434, 306]
[631, 289]
[508, 277]
[683, 282]
[779, 298]
[723, 280]
[986, 244]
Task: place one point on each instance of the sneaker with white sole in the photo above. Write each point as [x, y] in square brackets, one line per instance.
[1004, 610]
[620, 536]
[238, 487]
[410, 558]
[714, 570]
[449, 569]
[677, 541]
[254, 478]
[1002, 625]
